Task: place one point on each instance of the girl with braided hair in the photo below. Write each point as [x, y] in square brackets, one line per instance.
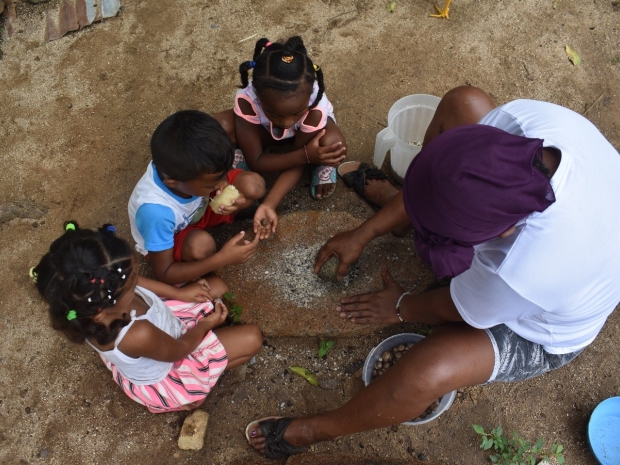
[284, 100]
[165, 355]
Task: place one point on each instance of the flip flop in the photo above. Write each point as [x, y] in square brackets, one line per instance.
[322, 175]
[356, 179]
[273, 429]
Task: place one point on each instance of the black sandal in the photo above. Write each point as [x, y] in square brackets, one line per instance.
[273, 429]
[357, 179]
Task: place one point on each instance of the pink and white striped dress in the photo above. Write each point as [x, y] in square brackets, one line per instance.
[164, 386]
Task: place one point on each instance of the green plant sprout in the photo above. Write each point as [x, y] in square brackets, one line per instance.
[515, 450]
[324, 347]
[234, 309]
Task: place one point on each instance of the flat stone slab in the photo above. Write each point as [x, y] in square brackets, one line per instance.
[331, 459]
[278, 290]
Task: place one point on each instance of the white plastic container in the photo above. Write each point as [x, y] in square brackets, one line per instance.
[388, 344]
[408, 120]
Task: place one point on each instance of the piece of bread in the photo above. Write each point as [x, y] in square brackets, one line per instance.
[224, 198]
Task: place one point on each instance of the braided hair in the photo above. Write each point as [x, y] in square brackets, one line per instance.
[84, 272]
[274, 69]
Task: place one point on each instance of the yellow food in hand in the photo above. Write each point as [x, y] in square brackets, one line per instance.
[224, 198]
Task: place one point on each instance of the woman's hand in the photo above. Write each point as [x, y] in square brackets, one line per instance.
[216, 317]
[346, 246]
[376, 307]
[265, 221]
[198, 291]
[329, 155]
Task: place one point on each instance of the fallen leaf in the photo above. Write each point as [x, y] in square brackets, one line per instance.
[390, 7]
[301, 371]
[572, 56]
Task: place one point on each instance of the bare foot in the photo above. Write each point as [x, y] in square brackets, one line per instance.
[323, 190]
[377, 191]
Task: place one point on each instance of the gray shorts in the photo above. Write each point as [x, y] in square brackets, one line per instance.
[517, 359]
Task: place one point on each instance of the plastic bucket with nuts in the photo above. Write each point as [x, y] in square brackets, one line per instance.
[391, 345]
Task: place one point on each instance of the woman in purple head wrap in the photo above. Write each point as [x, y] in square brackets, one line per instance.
[486, 210]
[469, 185]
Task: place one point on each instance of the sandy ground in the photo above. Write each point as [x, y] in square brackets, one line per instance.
[75, 120]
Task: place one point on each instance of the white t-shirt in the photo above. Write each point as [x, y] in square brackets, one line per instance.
[156, 214]
[557, 278]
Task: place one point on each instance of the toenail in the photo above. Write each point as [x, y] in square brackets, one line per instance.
[253, 433]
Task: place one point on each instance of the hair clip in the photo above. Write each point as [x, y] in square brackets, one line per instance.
[316, 67]
[33, 274]
[110, 296]
[252, 64]
[92, 280]
[101, 281]
[90, 300]
[267, 44]
[120, 270]
[114, 302]
[111, 228]
[72, 315]
[70, 226]
[123, 277]
[287, 58]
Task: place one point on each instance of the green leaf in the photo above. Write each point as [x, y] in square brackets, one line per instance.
[324, 347]
[554, 5]
[478, 429]
[573, 56]
[301, 371]
[493, 458]
[559, 449]
[560, 459]
[390, 7]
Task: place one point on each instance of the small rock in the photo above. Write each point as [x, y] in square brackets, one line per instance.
[329, 384]
[329, 270]
[422, 457]
[44, 453]
[193, 431]
[27, 409]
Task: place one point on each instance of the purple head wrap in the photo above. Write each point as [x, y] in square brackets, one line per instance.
[467, 186]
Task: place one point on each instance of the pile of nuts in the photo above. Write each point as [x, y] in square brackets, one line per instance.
[387, 359]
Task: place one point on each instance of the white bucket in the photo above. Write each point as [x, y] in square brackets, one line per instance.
[388, 344]
[408, 120]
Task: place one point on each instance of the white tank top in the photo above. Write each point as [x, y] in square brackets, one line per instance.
[144, 370]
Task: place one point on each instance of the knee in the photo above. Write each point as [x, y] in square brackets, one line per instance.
[252, 186]
[226, 119]
[198, 245]
[218, 286]
[254, 338]
[427, 383]
[332, 135]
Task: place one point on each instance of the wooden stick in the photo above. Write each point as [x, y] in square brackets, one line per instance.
[595, 102]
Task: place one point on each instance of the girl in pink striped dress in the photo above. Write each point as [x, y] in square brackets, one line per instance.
[165, 354]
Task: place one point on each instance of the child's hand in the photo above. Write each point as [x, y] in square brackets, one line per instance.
[234, 252]
[232, 209]
[265, 221]
[216, 317]
[329, 155]
[198, 291]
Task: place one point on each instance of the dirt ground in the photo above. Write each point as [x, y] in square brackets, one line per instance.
[76, 116]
